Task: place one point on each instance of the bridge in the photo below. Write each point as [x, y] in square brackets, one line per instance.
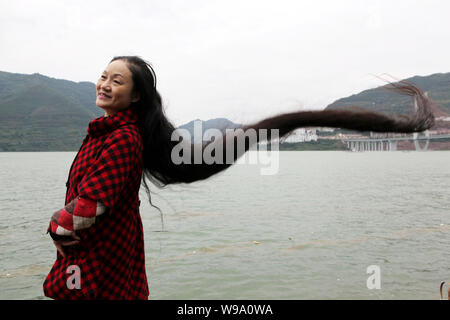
[390, 143]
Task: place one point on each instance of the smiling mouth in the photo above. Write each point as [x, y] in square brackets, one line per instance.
[101, 95]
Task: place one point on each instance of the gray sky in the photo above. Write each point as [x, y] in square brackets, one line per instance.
[239, 59]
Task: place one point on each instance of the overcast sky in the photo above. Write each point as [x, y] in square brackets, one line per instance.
[239, 59]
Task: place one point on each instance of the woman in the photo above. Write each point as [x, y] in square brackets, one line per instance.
[98, 234]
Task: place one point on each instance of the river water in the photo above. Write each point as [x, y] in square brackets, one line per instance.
[315, 229]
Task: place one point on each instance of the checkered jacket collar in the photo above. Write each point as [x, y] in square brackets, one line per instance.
[103, 125]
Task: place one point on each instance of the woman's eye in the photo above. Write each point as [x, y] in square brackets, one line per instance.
[103, 77]
[115, 81]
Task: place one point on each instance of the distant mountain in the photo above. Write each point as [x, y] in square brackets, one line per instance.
[38, 113]
[219, 123]
[380, 99]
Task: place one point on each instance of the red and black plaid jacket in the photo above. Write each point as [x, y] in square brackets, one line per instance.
[106, 174]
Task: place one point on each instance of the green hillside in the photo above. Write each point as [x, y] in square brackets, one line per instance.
[38, 113]
[380, 99]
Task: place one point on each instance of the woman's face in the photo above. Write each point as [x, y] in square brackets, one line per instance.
[115, 88]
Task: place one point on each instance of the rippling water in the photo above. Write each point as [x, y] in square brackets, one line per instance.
[308, 232]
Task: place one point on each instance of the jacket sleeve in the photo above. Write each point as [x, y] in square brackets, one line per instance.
[100, 188]
[78, 214]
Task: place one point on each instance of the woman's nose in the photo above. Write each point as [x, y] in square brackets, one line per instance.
[105, 86]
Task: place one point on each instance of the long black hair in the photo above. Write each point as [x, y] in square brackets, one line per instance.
[157, 131]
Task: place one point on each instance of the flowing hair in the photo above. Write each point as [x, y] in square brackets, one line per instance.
[158, 132]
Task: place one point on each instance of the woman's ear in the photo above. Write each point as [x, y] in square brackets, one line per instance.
[135, 96]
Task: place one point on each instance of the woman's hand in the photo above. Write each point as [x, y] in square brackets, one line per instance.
[60, 244]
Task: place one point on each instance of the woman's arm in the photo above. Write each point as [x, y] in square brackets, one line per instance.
[78, 214]
[100, 188]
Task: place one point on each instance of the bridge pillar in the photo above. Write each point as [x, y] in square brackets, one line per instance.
[416, 142]
[392, 145]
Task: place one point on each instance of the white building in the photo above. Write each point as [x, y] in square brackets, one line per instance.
[301, 135]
